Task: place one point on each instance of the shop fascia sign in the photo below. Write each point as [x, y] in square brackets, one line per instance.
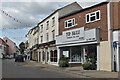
[78, 35]
[74, 34]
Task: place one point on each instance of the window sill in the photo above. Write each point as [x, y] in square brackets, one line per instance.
[92, 21]
[75, 62]
[71, 26]
[53, 25]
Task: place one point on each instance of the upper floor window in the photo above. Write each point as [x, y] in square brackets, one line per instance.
[42, 28]
[41, 39]
[69, 23]
[53, 21]
[92, 17]
[6, 40]
[47, 24]
[47, 37]
[53, 34]
[37, 40]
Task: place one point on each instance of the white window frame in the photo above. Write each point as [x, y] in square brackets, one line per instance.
[41, 39]
[47, 37]
[69, 22]
[92, 16]
[53, 21]
[47, 25]
[42, 28]
[53, 34]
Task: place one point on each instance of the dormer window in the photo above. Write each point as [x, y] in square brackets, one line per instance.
[92, 17]
[69, 23]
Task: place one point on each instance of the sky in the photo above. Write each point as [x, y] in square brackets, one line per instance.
[29, 13]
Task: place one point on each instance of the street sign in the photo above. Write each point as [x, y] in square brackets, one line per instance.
[114, 44]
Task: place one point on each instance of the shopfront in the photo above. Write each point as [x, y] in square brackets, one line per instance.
[48, 54]
[76, 43]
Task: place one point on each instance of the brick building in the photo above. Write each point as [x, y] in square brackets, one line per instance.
[93, 29]
[3, 48]
[12, 46]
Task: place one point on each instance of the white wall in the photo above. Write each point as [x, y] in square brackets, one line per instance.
[50, 28]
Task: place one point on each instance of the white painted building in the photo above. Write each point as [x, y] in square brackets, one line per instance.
[48, 30]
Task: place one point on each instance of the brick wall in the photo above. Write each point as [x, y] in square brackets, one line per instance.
[116, 15]
[81, 21]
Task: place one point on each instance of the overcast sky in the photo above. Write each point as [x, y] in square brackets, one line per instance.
[30, 13]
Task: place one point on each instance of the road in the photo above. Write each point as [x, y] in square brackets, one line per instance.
[11, 69]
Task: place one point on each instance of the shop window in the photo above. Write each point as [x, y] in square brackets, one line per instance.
[91, 49]
[69, 23]
[92, 17]
[76, 54]
[53, 56]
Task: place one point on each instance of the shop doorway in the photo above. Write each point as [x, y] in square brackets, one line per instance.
[39, 57]
[53, 56]
[43, 56]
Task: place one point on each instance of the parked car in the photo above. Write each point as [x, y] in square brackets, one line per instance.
[19, 58]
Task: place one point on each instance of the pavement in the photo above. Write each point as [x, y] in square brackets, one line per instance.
[73, 70]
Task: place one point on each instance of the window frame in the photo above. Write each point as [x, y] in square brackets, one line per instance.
[53, 34]
[47, 37]
[53, 21]
[47, 25]
[69, 23]
[92, 16]
[41, 39]
[42, 28]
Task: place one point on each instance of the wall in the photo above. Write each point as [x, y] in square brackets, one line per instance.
[80, 20]
[105, 56]
[31, 39]
[5, 46]
[116, 15]
[50, 29]
[11, 44]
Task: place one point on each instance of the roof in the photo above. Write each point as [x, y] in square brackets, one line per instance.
[57, 11]
[9, 39]
[51, 15]
[32, 29]
[75, 12]
[4, 42]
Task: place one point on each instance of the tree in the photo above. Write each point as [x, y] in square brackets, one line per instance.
[22, 47]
